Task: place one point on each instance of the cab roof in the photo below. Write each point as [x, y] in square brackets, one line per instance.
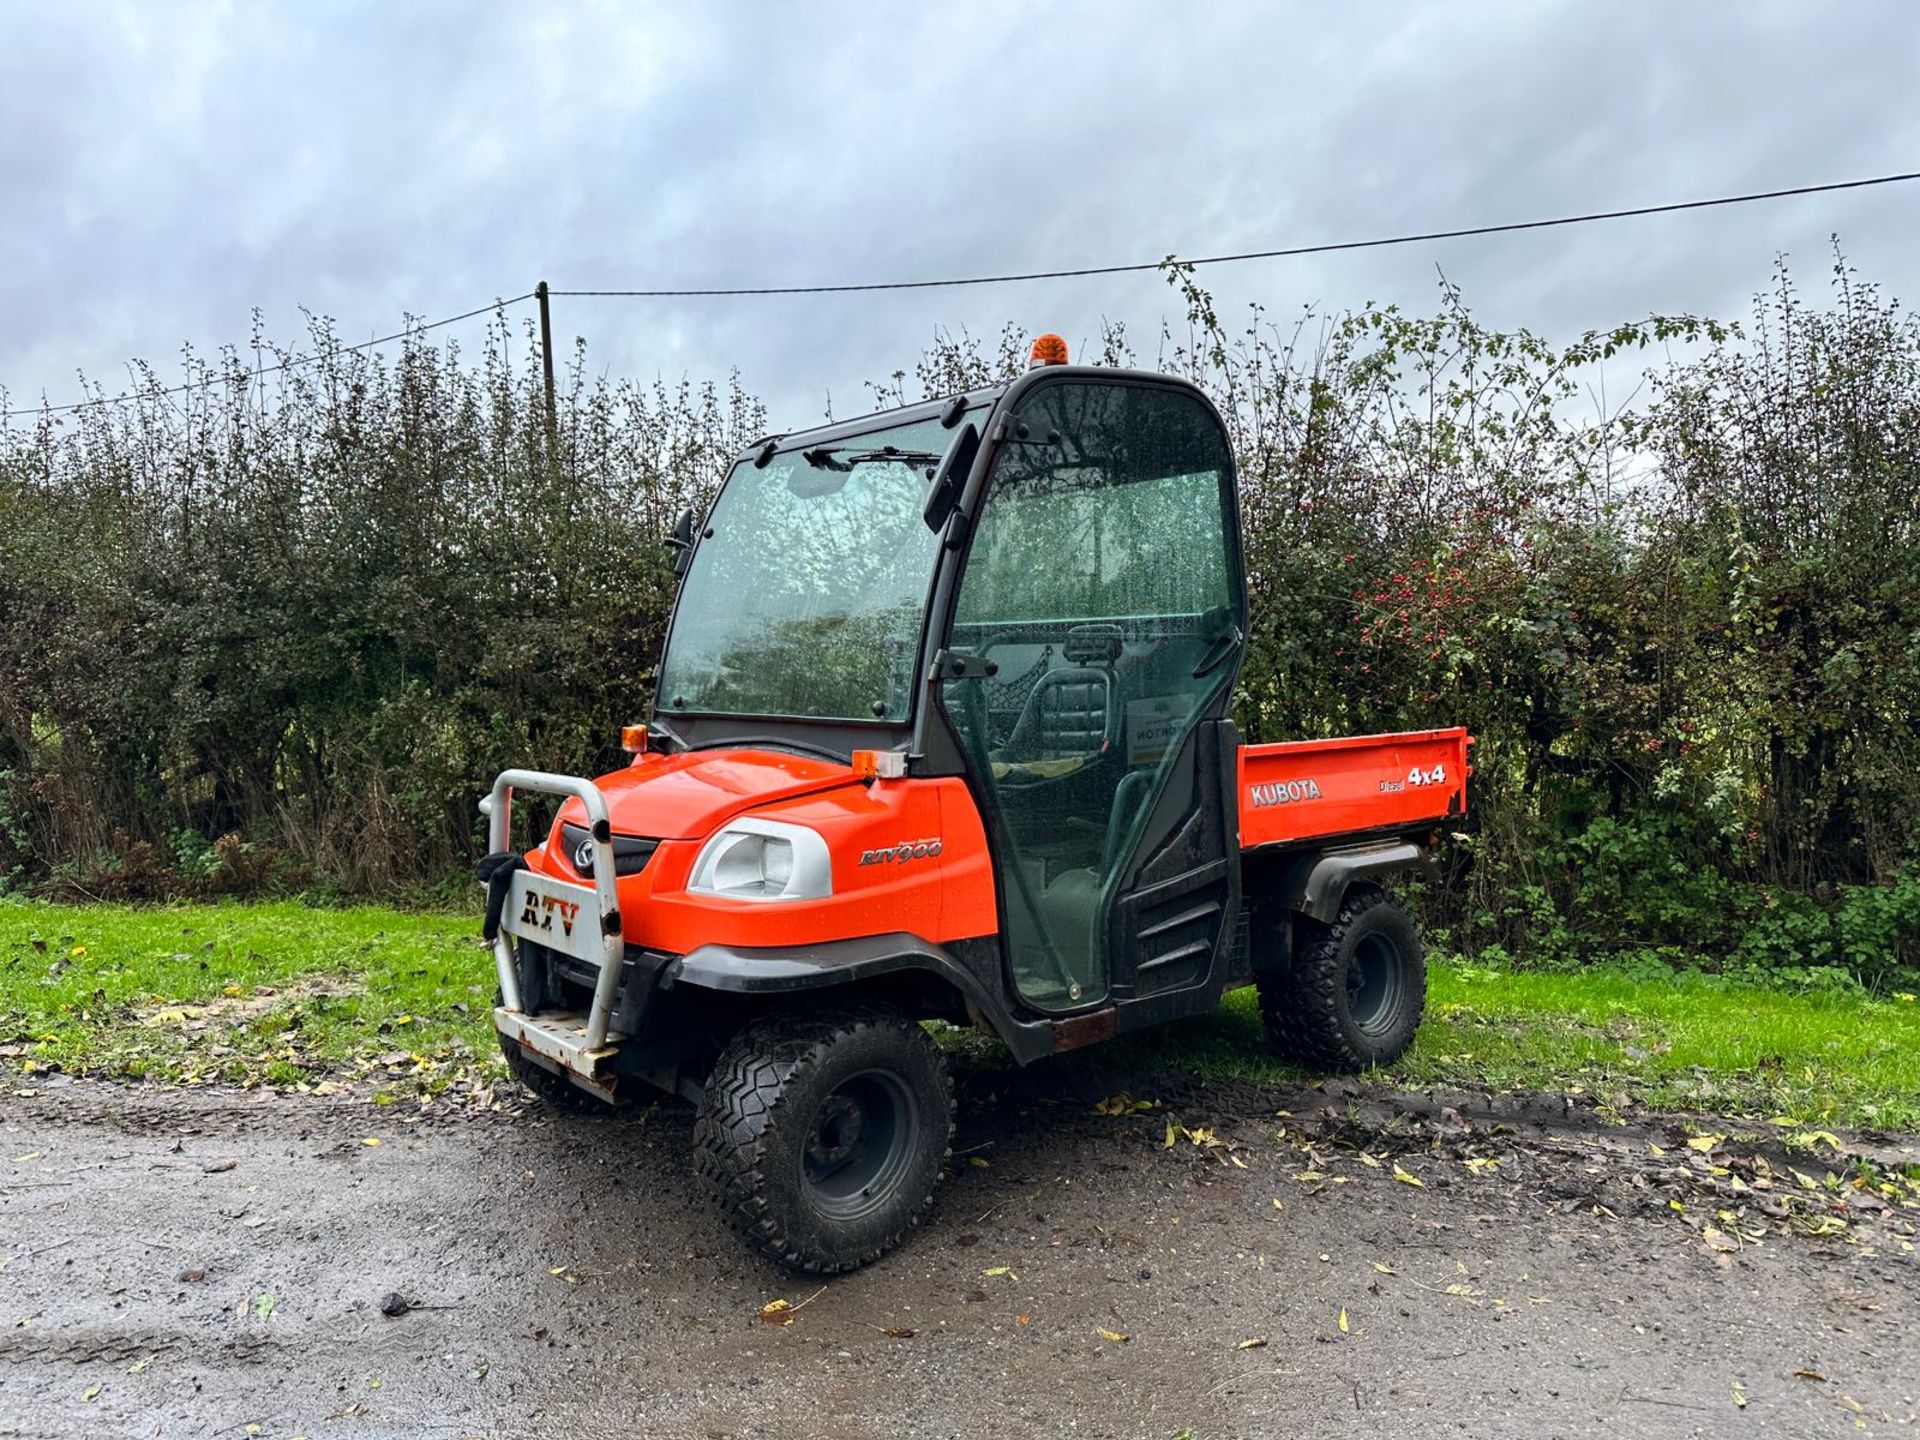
[878, 419]
[985, 395]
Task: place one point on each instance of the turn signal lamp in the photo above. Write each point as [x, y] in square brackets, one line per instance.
[879, 764]
[633, 739]
[1048, 350]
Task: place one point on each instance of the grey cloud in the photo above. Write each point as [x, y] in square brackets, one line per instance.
[164, 168]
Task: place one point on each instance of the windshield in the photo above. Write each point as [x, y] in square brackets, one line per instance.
[809, 595]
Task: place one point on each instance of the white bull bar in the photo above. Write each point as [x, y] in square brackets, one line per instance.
[561, 1039]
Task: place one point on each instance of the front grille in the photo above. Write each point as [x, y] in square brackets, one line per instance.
[630, 852]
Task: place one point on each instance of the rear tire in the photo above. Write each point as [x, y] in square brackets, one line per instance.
[1353, 996]
[822, 1136]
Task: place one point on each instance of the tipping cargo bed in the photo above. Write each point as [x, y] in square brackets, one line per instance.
[1311, 789]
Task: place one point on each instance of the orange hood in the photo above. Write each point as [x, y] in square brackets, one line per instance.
[687, 795]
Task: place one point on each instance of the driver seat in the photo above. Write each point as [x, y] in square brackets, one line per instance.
[1072, 712]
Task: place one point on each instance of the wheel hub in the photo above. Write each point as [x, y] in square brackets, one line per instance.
[860, 1145]
[836, 1132]
[1373, 984]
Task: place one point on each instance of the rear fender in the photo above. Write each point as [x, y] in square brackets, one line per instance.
[1320, 886]
[815, 970]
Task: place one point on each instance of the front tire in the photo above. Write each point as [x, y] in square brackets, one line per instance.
[1356, 989]
[822, 1136]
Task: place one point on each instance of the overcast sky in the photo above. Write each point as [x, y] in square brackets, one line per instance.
[165, 168]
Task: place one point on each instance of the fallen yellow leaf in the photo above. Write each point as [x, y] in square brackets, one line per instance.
[1114, 1335]
[1810, 1138]
[777, 1312]
[1258, 1342]
[1706, 1144]
[1343, 1320]
[1405, 1179]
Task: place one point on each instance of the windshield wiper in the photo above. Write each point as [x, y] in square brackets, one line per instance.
[844, 457]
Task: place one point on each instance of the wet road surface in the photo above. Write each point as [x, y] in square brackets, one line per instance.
[199, 1263]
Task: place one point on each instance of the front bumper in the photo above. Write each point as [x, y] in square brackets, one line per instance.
[558, 1042]
[578, 921]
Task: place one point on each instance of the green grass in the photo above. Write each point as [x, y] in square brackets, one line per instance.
[396, 1003]
[1685, 1042]
[277, 993]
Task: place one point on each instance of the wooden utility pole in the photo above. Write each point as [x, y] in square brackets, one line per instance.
[540, 293]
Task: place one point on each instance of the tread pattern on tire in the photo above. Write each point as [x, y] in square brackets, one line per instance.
[1301, 1008]
[743, 1095]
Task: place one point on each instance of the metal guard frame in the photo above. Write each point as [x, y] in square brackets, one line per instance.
[498, 808]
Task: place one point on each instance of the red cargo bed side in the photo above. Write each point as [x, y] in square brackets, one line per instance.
[1307, 789]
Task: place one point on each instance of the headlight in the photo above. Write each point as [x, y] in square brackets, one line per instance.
[764, 860]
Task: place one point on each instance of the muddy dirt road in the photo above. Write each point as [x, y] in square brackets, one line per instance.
[201, 1264]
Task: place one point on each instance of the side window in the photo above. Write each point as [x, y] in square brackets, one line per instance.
[1119, 515]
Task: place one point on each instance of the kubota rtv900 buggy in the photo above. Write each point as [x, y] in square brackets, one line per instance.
[941, 733]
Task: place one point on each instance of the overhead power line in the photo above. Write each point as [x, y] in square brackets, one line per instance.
[291, 362]
[957, 282]
[1326, 248]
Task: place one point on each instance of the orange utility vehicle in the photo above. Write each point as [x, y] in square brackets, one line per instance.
[941, 733]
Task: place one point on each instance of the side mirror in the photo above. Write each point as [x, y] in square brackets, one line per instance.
[943, 489]
[680, 542]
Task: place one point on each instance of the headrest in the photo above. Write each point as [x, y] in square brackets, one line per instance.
[1092, 644]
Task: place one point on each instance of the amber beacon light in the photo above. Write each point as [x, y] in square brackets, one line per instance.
[1048, 350]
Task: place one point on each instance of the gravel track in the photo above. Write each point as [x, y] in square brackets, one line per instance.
[572, 1284]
